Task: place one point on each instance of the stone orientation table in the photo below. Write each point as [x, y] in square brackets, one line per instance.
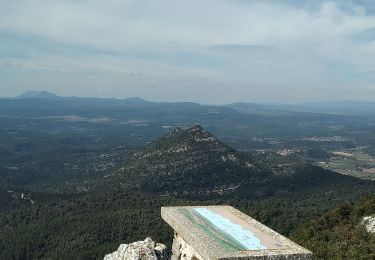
[223, 232]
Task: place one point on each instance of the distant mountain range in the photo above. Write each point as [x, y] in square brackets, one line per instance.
[37, 94]
[135, 121]
[334, 107]
[32, 94]
[341, 107]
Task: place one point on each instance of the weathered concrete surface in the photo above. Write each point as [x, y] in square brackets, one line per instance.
[199, 237]
[144, 250]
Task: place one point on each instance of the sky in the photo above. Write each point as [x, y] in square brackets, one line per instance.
[211, 51]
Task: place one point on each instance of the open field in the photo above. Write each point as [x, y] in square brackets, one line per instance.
[353, 162]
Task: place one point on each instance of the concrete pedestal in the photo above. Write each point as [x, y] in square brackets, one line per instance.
[223, 233]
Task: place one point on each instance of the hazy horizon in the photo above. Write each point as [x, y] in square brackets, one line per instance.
[189, 101]
[211, 52]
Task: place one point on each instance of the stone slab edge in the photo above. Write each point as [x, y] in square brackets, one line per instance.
[210, 250]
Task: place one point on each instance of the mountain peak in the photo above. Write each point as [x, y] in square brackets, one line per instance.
[135, 100]
[196, 128]
[38, 94]
[193, 130]
[193, 138]
[189, 159]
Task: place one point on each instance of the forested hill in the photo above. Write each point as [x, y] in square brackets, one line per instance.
[186, 160]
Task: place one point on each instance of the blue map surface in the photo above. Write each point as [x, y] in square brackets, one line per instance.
[243, 236]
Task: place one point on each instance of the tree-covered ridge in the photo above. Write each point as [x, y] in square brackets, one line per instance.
[340, 234]
[188, 160]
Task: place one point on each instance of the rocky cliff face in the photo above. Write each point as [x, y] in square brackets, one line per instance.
[141, 250]
[149, 250]
[369, 223]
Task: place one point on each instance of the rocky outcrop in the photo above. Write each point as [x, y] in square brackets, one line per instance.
[141, 250]
[181, 250]
[369, 223]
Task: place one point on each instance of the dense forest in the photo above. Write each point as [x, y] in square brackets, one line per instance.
[339, 233]
[91, 225]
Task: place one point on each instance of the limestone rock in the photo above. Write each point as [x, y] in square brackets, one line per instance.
[161, 251]
[369, 223]
[181, 250]
[141, 250]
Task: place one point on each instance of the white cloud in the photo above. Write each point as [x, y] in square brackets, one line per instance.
[265, 45]
[119, 24]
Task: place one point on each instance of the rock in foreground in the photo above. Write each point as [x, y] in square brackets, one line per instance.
[141, 250]
[369, 223]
